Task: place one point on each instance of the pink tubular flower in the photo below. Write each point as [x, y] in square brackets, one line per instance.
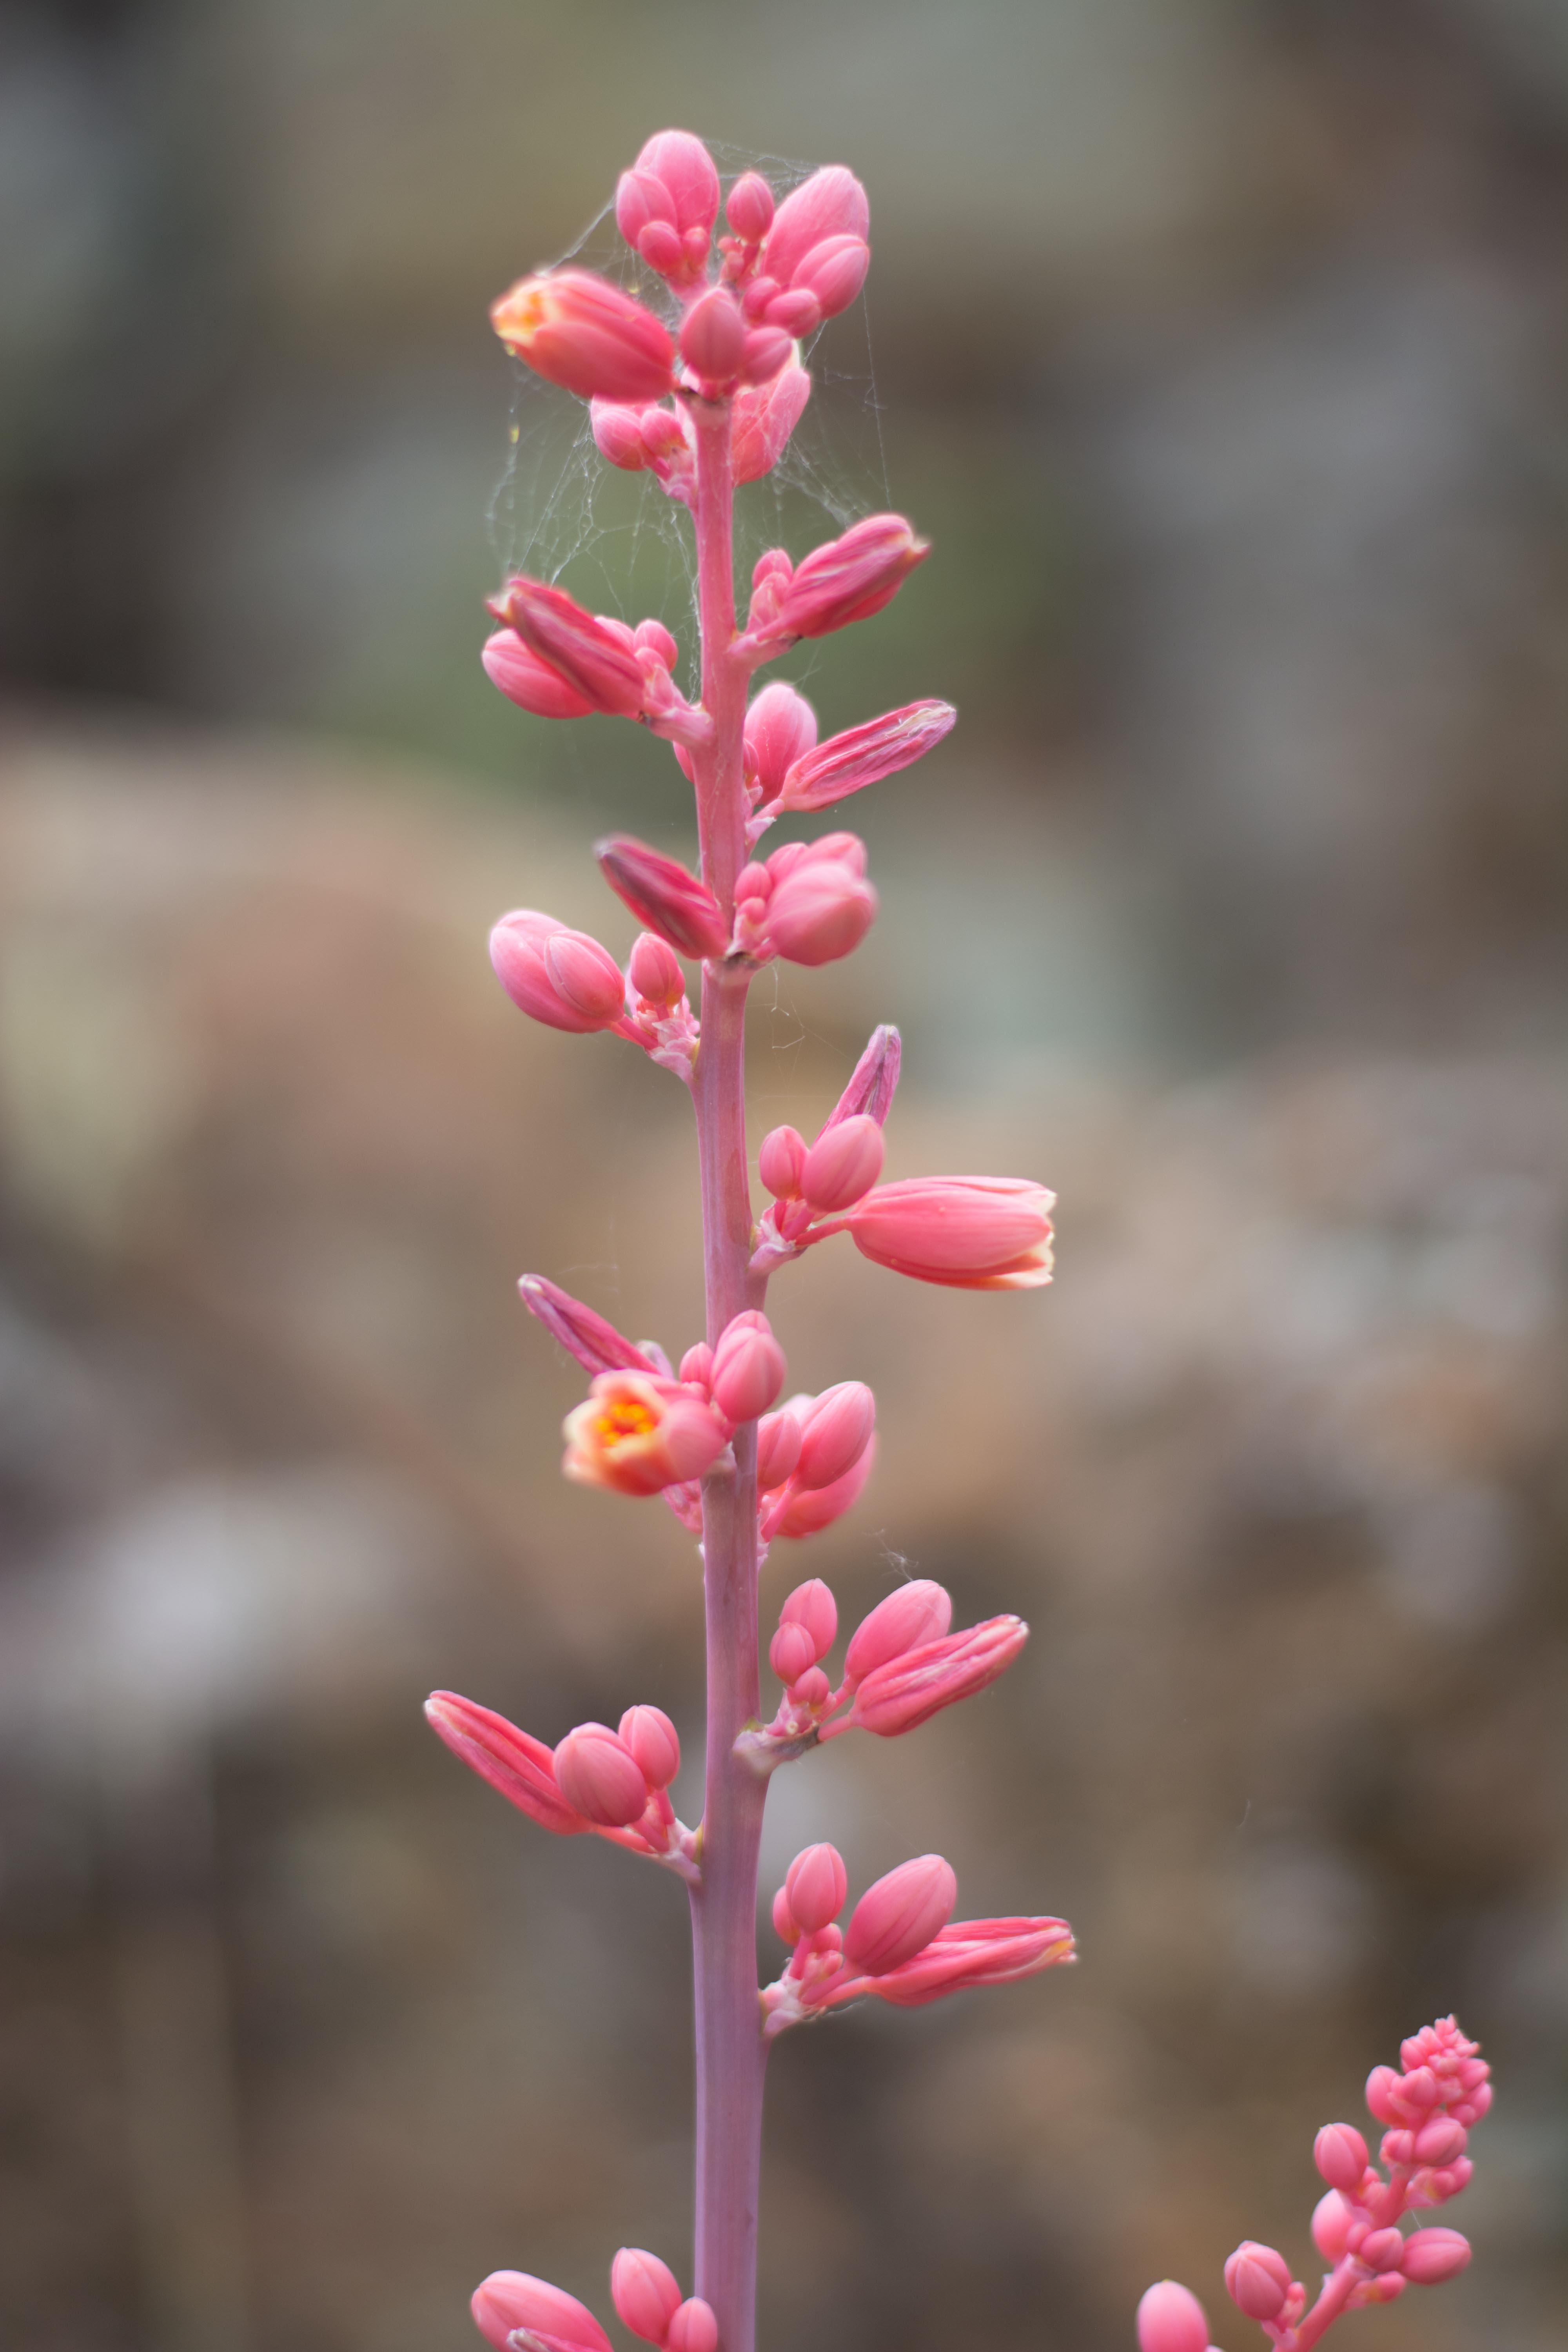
[1258, 2280]
[848, 762]
[578, 330]
[842, 1164]
[638, 1435]
[748, 1367]
[898, 1915]
[820, 906]
[909, 1690]
[666, 205]
[972, 1232]
[664, 895]
[600, 1777]
[509, 2301]
[556, 975]
[594, 660]
[645, 2293]
[848, 580]
[531, 684]
[521, 1767]
[917, 1613]
[596, 1344]
[764, 417]
[1170, 2319]
[816, 1887]
[970, 1953]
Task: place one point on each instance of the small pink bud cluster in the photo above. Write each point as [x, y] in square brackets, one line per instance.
[611, 1783]
[787, 769]
[901, 1945]
[567, 980]
[810, 902]
[901, 1667]
[971, 1233]
[553, 658]
[848, 580]
[1428, 2106]
[520, 2313]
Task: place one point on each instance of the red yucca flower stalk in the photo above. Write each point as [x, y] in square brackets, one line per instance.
[702, 388]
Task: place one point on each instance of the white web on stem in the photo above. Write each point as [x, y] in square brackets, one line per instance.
[561, 513]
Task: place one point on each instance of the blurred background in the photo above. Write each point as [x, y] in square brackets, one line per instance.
[1222, 350]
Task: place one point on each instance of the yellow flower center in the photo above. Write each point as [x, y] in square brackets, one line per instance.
[626, 1418]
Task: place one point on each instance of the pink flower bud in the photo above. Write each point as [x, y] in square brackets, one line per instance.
[909, 1690]
[682, 162]
[618, 434]
[654, 973]
[586, 651]
[973, 1953]
[1258, 2280]
[712, 336]
[1433, 2256]
[791, 1654]
[697, 1366]
[662, 894]
[834, 1432]
[807, 1512]
[1340, 2154]
[816, 1886]
[771, 576]
[812, 1605]
[874, 1082]
[509, 2300]
[1380, 2085]
[898, 1915]
[750, 208]
[832, 203]
[822, 909]
[596, 1344]
[778, 1449]
[833, 271]
[785, 1927]
[654, 1742]
[599, 1776]
[1440, 2141]
[521, 1767]
[764, 353]
[916, 1613]
[798, 313]
[638, 1435]
[645, 2293]
[578, 330]
[748, 1367]
[693, 2328]
[559, 977]
[842, 1164]
[1330, 2226]
[652, 636]
[846, 763]
[1451, 2180]
[973, 1232]
[1170, 2319]
[848, 580]
[780, 1162]
[531, 684]
[763, 417]
[780, 729]
[1381, 2249]
[760, 293]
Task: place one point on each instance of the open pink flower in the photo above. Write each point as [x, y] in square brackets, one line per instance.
[637, 1435]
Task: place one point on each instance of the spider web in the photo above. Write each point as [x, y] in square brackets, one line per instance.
[562, 514]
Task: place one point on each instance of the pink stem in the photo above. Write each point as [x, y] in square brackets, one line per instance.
[1329, 2305]
[730, 2052]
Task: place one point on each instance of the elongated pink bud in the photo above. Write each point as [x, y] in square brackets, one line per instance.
[778, 1449]
[832, 273]
[521, 1767]
[848, 579]
[781, 729]
[712, 337]
[972, 1232]
[836, 1430]
[897, 1916]
[531, 684]
[1332, 2223]
[593, 659]
[816, 1888]
[1340, 2154]
[846, 763]
[909, 1690]
[820, 911]
[654, 1743]
[812, 1605]
[645, 2293]
[749, 207]
[764, 417]
[1430, 2256]
[1258, 2280]
[916, 1613]
[874, 1082]
[560, 977]
[600, 1777]
[842, 1164]
[596, 1344]
[509, 2300]
[832, 203]
[974, 1953]
[662, 894]
[748, 1367]
[693, 2328]
[639, 1435]
[1170, 2319]
[578, 330]
[653, 972]
[811, 1509]
[780, 1162]
[791, 1654]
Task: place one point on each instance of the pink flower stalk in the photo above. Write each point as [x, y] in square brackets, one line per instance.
[662, 894]
[637, 1435]
[973, 1232]
[578, 330]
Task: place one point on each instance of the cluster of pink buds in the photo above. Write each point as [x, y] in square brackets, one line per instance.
[902, 1944]
[613, 1783]
[903, 1666]
[520, 2313]
[1428, 2106]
